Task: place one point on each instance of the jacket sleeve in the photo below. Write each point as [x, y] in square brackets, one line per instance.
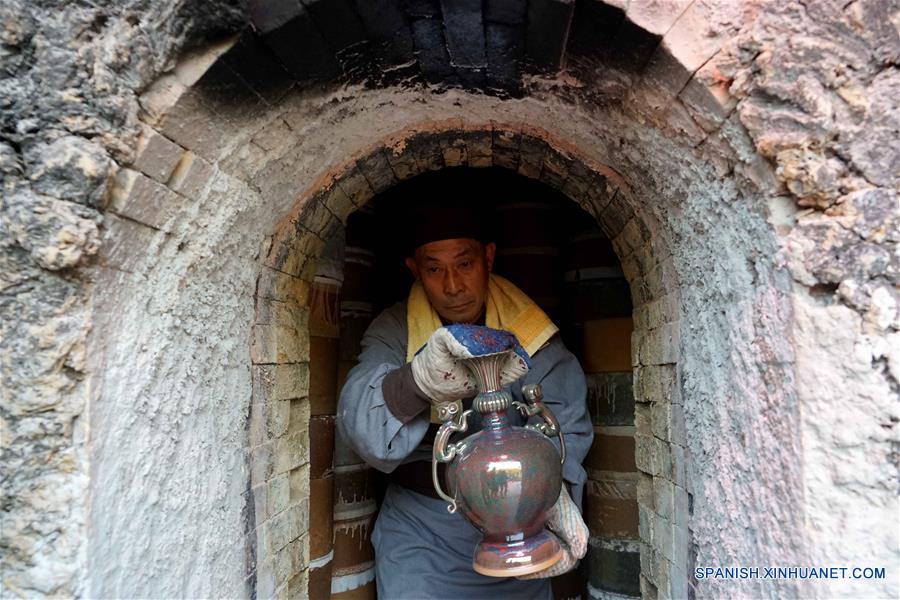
[565, 393]
[364, 420]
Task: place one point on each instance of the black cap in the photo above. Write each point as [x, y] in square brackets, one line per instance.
[443, 205]
[432, 222]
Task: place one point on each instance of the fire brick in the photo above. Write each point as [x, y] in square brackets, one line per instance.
[428, 36]
[259, 67]
[387, 29]
[548, 30]
[302, 49]
[464, 31]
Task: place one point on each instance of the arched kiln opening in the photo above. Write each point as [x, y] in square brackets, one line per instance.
[220, 260]
[557, 251]
[559, 255]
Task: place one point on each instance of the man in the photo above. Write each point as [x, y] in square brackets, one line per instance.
[385, 409]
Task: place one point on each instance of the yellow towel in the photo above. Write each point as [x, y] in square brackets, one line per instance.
[507, 308]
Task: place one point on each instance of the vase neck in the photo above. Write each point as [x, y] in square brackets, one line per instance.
[486, 370]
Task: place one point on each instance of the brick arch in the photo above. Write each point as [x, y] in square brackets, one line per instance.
[489, 46]
[530, 151]
[534, 153]
[665, 64]
[660, 178]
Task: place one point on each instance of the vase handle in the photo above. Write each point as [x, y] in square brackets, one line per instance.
[445, 452]
[534, 406]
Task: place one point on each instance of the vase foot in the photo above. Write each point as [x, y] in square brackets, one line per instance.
[514, 559]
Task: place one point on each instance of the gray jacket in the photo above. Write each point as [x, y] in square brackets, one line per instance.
[384, 442]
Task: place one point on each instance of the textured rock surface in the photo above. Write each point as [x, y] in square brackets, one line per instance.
[68, 81]
[819, 85]
[774, 289]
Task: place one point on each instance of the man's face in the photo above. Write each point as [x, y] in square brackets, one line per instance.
[454, 274]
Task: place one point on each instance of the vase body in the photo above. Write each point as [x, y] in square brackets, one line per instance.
[506, 479]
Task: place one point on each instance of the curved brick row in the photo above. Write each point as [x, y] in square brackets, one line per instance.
[660, 52]
[291, 256]
[532, 152]
[155, 365]
[264, 161]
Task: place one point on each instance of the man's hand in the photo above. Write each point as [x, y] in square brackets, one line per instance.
[438, 371]
[440, 374]
[566, 522]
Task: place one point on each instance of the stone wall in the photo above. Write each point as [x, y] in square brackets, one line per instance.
[69, 77]
[819, 85]
[759, 153]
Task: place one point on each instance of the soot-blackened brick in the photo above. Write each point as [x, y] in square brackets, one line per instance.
[508, 12]
[453, 147]
[555, 169]
[631, 47]
[531, 158]
[427, 151]
[224, 92]
[302, 49]
[464, 32]
[258, 66]
[377, 171]
[614, 571]
[505, 149]
[548, 30]
[337, 21]
[428, 37]
[269, 15]
[505, 46]
[422, 8]
[593, 27]
[387, 30]
[471, 78]
[344, 34]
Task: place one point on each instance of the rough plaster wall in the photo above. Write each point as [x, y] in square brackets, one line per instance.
[842, 440]
[68, 73]
[172, 394]
[735, 380]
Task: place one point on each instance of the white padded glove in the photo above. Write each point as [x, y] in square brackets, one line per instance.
[440, 374]
[566, 522]
[437, 369]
